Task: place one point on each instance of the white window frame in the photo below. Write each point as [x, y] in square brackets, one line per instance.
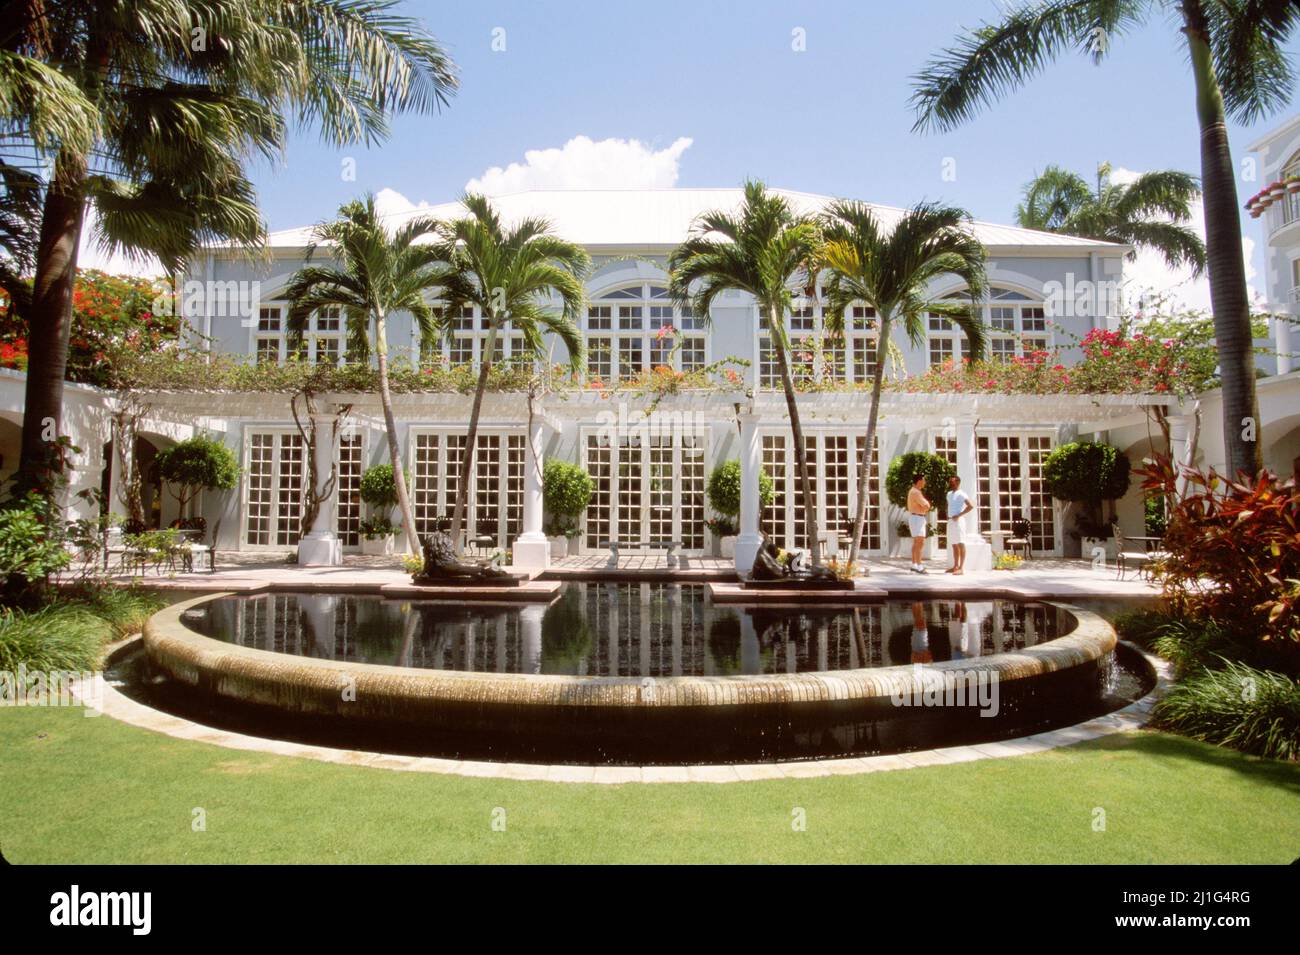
[647, 335]
[705, 438]
[445, 502]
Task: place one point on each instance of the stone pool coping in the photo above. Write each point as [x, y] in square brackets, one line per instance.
[1132, 717]
[312, 685]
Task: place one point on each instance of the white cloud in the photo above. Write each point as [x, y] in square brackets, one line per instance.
[1149, 272]
[582, 163]
[391, 202]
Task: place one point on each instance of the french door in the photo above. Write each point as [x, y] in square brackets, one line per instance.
[275, 469]
[648, 488]
[496, 502]
[833, 462]
[1011, 487]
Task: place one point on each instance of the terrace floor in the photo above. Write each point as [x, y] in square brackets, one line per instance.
[1044, 578]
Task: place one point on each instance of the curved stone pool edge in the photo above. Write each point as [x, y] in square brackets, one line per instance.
[1132, 717]
[308, 685]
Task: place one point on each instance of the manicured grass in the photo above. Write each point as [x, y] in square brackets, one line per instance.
[78, 789]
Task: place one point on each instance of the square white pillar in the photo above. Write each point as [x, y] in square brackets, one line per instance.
[531, 550]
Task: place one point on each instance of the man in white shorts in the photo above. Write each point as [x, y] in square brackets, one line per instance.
[959, 506]
[918, 507]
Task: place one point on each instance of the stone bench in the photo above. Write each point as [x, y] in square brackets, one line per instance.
[670, 546]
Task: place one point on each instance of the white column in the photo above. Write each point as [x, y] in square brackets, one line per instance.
[1282, 337]
[531, 550]
[979, 553]
[1180, 448]
[321, 547]
[751, 463]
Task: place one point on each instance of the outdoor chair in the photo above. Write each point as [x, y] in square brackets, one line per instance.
[1019, 539]
[1136, 551]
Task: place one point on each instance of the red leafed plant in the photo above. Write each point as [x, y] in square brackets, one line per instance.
[1234, 549]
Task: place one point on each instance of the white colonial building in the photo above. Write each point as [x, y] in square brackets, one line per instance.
[650, 459]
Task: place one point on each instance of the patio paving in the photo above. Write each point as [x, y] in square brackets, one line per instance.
[1039, 578]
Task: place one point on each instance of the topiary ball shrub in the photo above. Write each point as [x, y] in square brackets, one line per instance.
[378, 489]
[566, 491]
[723, 489]
[904, 469]
[198, 463]
[1087, 473]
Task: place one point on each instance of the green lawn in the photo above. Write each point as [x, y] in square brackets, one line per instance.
[74, 789]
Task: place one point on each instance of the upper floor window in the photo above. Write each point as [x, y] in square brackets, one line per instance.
[1016, 325]
[817, 353]
[631, 330]
[467, 340]
[1291, 201]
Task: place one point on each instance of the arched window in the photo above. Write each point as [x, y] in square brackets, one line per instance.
[1016, 323]
[818, 355]
[635, 328]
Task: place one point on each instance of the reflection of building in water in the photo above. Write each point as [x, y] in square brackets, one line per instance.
[625, 629]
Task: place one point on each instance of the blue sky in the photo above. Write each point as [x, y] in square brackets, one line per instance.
[832, 119]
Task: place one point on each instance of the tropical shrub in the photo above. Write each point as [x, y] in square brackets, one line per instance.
[376, 527]
[110, 314]
[566, 491]
[723, 489]
[1252, 710]
[1233, 551]
[378, 489]
[55, 637]
[1087, 473]
[31, 546]
[196, 464]
[904, 469]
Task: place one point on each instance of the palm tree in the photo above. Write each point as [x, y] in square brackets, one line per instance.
[1240, 68]
[375, 275]
[509, 273]
[892, 272]
[762, 249]
[1148, 213]
[181, 94]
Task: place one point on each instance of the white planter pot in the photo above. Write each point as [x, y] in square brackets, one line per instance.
[1089, 545]
[727, 547]
[559, 547]
[377, 546]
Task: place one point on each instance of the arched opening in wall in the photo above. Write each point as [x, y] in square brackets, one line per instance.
[116, 497]
[1282, 446]
[1140, 514]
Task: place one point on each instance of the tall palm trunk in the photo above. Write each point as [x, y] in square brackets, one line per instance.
[390, 425]
[864, 468]
[50, 324]
[471, 439]
[1226, 267]
[779, 344]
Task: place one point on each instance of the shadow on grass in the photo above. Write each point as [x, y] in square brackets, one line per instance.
[1161, 744]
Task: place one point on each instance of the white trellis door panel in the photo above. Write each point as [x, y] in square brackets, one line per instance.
[649, 487]
[833, 461]
[496, 505]
[1011, 487]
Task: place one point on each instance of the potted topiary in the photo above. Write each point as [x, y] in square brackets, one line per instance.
[1087, 473]
[194, 465]
[566, 491]
[898, 481]
[723, 492]
[379, 492]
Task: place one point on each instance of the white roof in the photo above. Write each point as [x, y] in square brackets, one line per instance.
[641, 218]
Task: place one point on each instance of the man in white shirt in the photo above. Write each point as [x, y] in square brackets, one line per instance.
[959, 506]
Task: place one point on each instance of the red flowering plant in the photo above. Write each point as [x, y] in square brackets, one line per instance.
[1233, 552]
[111, 314]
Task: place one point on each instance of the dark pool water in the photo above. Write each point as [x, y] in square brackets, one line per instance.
[625, 630]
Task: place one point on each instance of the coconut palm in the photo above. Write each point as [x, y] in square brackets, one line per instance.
[1150, 212]
[373, 275]
[892, 271]
[764, 249]
[183, 94]
[510, 273]
[1240, 68]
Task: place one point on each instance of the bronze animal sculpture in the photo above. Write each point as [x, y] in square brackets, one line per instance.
[768, 566]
